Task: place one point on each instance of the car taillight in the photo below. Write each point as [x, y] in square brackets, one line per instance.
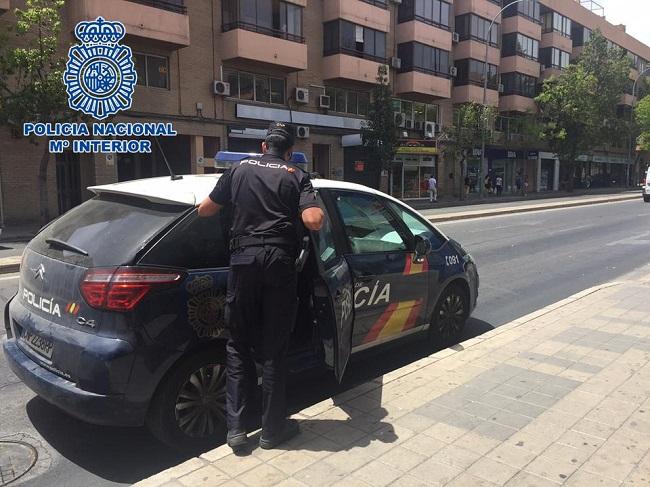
[122, 288]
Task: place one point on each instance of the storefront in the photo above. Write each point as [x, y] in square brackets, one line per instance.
[601, 171]
[411, 170]
[503, 164]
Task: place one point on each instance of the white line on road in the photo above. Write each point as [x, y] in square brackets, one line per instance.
[9, 278]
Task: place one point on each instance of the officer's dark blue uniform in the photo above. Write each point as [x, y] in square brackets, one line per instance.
[267, 196]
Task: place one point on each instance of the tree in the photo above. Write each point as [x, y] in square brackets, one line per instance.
[379, 134]
[463, 134]
[578, 108]
[31, 79]
[642, 117]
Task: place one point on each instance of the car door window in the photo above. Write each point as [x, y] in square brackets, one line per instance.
[195, 243]
[416, 225]
[369, 226]
[325, 244]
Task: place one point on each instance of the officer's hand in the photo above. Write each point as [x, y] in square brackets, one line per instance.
[313, 218]
[208, 208]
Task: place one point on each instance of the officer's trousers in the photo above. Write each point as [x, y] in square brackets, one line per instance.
[261, 310]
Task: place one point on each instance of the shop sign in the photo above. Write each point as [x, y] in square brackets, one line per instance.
[359, 166]
[476, 152]
[533, 155]
[417, 150]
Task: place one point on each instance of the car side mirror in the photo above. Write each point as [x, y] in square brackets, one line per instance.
[422, 247]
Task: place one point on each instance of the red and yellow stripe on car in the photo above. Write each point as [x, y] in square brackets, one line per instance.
[397, 317]
[412, 267]
[72, 308]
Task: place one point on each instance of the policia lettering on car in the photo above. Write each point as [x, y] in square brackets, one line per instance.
[361, 295]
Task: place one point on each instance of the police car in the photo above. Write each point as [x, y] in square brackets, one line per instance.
[119, 316]
[646, 187]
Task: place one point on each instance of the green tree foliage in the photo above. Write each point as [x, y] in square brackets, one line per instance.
[642, 116]
[379, 135]
[578, 108]
[31, 77]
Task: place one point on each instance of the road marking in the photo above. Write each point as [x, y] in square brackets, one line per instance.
[642, 239]
[9, 278]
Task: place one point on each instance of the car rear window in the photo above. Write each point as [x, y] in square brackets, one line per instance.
[110, 228]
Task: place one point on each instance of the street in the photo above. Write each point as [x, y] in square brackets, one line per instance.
[525, 262]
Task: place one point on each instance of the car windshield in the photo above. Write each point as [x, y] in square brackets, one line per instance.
[110, 229]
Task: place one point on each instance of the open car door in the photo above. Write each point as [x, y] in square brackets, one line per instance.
[333, 295]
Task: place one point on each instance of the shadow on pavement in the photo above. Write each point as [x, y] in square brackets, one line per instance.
[127, 455]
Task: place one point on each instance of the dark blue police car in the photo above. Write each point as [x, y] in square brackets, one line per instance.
[119, 315]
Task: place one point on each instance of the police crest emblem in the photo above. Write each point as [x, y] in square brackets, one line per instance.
[100, 75]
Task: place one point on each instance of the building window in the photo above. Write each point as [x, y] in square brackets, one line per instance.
[348, 101]
[416, 114]
[153, 71]
[516, 44]
[519, 84]
[580, 35]
[470, 26]
[423, 58]
[470, 72]
[552, 57]
[271, 17]
[256, 87]
[434, 12]
[177, 6]
[529, 9]
[343, 37]
[377, 3]
[554, 22]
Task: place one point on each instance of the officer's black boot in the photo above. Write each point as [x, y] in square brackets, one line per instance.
[289, 430]
[237, 440]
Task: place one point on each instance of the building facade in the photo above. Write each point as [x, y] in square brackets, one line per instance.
[221, 70]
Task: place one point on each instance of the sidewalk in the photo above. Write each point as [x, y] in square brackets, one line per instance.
[558, 397]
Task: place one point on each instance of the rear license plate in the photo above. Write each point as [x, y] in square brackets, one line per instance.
[39, 344]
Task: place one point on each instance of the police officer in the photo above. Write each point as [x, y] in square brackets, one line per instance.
[269, 198]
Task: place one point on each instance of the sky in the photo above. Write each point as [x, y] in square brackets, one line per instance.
[635, 14]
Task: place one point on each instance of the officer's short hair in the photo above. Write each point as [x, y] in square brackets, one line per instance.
[280, 137]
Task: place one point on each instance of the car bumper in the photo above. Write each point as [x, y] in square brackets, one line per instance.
[113, 410]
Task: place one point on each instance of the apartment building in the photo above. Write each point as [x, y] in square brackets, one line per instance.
[221, 70]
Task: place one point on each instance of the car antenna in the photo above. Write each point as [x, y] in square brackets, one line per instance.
[175, 177]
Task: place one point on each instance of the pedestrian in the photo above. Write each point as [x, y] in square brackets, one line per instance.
[270, 200]
[519, 184]
[499, 185]
[468, 184]
[525, 188]
[433, 189]
[488, 184]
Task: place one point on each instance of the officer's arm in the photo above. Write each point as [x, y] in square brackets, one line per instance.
[313, 218]
[209, 207]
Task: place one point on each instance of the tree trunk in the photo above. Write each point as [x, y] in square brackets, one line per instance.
[42, 184]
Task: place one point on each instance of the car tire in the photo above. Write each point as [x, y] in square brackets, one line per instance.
[188, 410]
[449, 316]
[646, 199]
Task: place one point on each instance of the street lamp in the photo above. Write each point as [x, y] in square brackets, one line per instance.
[485, 83]
[629, 153]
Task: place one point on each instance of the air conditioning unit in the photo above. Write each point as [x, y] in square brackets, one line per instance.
[324, 101]
[302, 95]
[302, 132]
[455, 37]
[502, 88]
[431, 129]
[396, 63]
[400, 120]
[409, 124]
[221, 88]
[453, 71]
[419, 126]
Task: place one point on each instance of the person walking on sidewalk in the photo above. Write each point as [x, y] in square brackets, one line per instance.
[499, 185]
[433, 189]
[270, 199]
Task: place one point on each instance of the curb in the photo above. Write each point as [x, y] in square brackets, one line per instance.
[222, 451]
[526, 209]
[10, 265]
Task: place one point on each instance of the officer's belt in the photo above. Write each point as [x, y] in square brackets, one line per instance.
[241, 242]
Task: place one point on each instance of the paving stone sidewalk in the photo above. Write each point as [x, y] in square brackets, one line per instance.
[559, 397]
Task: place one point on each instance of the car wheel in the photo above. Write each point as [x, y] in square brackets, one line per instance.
[188, 410]
[646, 199]
[449, 316]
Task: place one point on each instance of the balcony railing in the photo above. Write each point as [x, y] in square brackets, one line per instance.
[377, 3]
[263, 30]
[177, 7]
[352, 52]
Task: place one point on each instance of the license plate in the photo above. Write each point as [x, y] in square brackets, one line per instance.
[39, 344]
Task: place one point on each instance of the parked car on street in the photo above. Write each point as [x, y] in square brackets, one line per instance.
[646, 187]
[119, 316]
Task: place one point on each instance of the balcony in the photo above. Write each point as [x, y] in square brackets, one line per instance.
[418, 84]
[348, 67]
[260, 48]
[358, 12]
[522, 25]
[474, 93]
[4, 6]
[555, 39]
[548, 72]
[476, 50]
[517, 103]
[161, 21]
[423, 33]
[484, 8]
[520, 64]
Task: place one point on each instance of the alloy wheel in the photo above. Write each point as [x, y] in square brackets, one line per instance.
[451, 315]
[201, 402]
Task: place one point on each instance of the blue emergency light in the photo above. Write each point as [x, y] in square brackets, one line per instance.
[225, 158]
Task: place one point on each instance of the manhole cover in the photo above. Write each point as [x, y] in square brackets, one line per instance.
[16, 458]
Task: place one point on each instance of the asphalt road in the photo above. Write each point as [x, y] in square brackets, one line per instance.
[525, 262]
